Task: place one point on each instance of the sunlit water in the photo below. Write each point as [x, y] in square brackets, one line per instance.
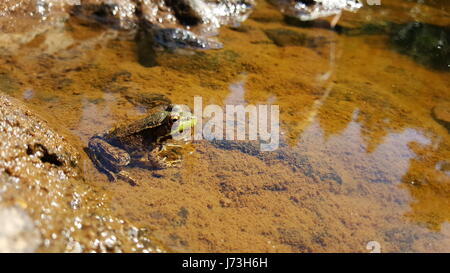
[361, 160]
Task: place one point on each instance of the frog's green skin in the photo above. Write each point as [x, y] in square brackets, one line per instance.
[142, 142]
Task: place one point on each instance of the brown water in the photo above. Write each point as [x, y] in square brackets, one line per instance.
[363, 157]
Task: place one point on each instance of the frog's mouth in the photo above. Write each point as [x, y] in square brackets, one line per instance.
[183, 124]
[182, 121]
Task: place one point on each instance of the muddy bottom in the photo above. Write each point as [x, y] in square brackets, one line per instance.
[362, 157]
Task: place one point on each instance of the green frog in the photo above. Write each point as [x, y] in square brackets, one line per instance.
[148, 142]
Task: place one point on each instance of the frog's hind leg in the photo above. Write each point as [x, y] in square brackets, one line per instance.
[109, 159]
[101, 166]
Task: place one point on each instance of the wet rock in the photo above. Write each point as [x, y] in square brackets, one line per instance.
[17, 231]
[48, 204]
[425, 43]
[38, 151]
[441, 113]
[174, 24]
[307, 10]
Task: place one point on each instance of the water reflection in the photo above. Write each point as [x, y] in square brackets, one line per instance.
[387, 163]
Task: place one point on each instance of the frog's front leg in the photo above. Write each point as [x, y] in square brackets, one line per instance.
[109, 159]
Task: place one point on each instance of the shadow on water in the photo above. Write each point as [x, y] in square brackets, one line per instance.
[145, 48]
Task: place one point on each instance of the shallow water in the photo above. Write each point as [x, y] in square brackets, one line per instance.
[362, 158]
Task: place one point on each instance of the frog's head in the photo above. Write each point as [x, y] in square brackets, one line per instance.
[183, 120]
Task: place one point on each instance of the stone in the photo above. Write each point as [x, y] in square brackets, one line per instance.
[17, 231]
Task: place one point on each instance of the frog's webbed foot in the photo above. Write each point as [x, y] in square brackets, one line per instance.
[156, 159]
[173, 38]
[109, 159]
[166, 157]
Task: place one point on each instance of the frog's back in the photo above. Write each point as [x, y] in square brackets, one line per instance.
[151, 121]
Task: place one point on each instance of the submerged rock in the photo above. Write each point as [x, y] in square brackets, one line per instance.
[43, 195]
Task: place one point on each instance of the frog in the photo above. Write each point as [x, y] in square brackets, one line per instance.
[147, 142]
